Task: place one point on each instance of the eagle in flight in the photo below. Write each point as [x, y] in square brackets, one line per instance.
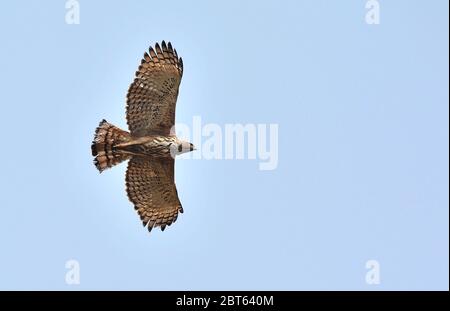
[151, 144]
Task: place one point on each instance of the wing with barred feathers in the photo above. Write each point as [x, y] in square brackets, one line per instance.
[152, 96]
[151, 188]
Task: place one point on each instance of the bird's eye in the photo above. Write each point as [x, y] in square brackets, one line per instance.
[180, 148]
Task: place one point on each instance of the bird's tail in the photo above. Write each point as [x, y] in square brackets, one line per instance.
[107, 136]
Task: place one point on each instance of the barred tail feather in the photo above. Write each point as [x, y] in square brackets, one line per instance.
[107, 136]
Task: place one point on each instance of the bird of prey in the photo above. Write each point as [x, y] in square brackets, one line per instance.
[151, 144]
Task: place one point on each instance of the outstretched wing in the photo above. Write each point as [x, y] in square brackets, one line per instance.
[151, 188]
[152, 96]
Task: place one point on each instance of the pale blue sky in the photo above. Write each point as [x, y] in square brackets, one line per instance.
[363, 145]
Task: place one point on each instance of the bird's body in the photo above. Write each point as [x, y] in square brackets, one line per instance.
[153, 146]
[150, 146]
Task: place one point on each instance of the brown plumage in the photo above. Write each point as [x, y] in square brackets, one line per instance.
[151, 144]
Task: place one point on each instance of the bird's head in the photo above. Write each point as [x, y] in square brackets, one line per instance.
[184, 146]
